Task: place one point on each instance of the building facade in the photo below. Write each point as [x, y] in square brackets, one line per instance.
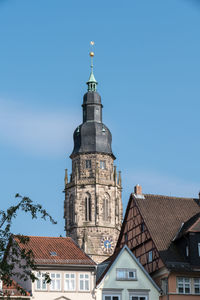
[122, 277]
[164, 234]
[72, 272]
[93, 205]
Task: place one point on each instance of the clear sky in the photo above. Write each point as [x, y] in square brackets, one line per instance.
[147, 63]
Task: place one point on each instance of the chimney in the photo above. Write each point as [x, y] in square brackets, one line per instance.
[138, 190]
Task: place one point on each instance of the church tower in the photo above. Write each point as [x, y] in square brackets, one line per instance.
[93, 205]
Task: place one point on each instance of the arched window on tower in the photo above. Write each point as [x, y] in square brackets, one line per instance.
[106, 207]
[88, 215]
[71, 209]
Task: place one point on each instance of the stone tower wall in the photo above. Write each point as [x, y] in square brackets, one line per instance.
[99, 181]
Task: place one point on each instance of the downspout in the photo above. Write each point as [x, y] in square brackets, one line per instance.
[168, 287]
[94, 290]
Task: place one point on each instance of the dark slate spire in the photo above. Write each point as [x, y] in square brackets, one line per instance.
[92, 135]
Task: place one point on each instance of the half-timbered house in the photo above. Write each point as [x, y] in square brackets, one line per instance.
[164, 234]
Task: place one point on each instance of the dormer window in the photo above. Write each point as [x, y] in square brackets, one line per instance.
[53, 253]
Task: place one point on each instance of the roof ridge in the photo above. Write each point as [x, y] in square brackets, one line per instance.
[166, 196]
[52, 237]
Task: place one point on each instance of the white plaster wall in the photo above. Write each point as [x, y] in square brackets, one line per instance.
[72, 295]
[142, 282]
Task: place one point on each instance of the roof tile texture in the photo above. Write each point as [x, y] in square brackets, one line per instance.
[66, 250]
[164, 216]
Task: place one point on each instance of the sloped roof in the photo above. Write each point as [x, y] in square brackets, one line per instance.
[14, 290]
[192, 225]
[56, 250]
[108, 263]
[163, 215]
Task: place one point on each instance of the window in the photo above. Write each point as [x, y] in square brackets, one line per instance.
[199, 249]
[197, 285]
[187, 251]
[106, 207]
[142, 227]
[70, 279]
[71, 209]
[150, 256]
[164, 285]
[102, 164]
[126, 237]
[138, 298]
[88, 216]
[55, 284]
[1, 285]
[40, 282]
[84, 284]
[126, 274]
[183, 285]
[111, 297]
[88, 164]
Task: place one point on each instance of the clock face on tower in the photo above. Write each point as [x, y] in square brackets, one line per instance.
[107, 244]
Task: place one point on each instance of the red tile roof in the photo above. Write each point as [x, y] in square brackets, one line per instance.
[13, 289]
[56, 250]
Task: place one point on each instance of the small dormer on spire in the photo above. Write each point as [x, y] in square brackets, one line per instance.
[92, 83]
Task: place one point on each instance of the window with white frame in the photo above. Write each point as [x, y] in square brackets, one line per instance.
[40, 282]
[1, 285]
[84, 282]
[183, 285]
[138, 297]
[197, 285]
[126, 274]
[111, 297]
[70, 282]
[55, 284]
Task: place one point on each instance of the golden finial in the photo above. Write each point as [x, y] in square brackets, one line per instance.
[92, 44]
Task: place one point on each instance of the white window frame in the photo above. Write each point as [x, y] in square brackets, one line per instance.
[182, 282]
[139, 297]
[84, 279]
[55, 279]
[70, 279]
[41, 281]
[125, 274]
[1, 285]
[197, 285]
[111, 296]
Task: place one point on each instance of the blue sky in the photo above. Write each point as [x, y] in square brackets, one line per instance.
[147, 63]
